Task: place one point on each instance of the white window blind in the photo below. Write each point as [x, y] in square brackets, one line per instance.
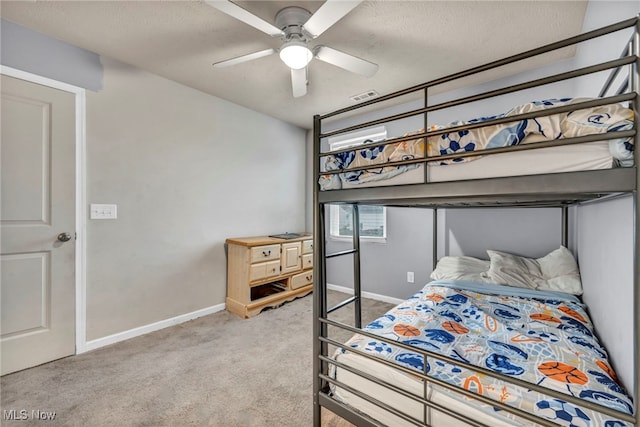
[353, 139]
[373, 221]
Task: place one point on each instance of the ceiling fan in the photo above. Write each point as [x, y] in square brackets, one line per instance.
[296, 26]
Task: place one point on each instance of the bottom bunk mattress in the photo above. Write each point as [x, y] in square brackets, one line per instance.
[541, 337]
[567, 158]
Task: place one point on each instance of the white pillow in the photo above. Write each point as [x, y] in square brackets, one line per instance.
[461, 268]
[561, 271]
[556, 271]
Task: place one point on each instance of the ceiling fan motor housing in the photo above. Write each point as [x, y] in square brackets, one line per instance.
[290, 20]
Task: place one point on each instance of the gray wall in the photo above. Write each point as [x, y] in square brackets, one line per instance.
[186, 169]
[408, 247]
[531, 233]
[28, 50]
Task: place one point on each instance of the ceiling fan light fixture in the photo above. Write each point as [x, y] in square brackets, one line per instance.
[295, 54]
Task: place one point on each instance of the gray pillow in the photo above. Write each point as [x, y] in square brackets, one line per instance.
[556, 271]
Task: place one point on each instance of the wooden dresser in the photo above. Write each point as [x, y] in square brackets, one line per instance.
[266, 272]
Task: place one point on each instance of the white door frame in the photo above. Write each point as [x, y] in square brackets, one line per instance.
[81, 196]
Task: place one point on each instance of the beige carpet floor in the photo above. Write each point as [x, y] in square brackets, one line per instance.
[218, 370]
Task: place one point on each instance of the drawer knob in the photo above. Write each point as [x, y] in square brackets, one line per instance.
[309, 278]
[266, 253]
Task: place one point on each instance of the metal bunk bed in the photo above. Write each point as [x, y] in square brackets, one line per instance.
[548, 190]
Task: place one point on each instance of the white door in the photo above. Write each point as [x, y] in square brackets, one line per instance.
[37, 277]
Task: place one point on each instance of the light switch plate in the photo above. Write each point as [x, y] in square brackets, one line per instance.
[101, 211]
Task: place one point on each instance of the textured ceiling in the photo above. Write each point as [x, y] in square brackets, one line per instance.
[411, 41]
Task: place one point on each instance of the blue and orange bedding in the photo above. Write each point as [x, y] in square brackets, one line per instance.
[597, 120]
[541, 337]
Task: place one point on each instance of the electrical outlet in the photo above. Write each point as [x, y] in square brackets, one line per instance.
[410, 276]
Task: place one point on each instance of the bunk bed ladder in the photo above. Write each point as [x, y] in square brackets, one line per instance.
[320, 285]
[633, 80]
[355, 251]
[320, 348]
[320, 307]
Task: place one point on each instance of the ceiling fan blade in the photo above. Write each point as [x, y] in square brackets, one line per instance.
[299, 82]
[243, 15]
[244, 58]
[328, 14]
[345, 61]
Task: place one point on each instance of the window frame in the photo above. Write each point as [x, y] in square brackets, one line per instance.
[334, 226]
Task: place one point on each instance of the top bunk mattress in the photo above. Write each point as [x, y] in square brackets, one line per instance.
[563, 158]
[567, 158]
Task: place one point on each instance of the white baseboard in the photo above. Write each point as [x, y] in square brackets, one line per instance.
[136, 332]
[370, 295]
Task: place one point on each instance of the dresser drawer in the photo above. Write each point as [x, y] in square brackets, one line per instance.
[264, 269]
[300, 280]
[265, 253]
[307, 246]
[307, 261]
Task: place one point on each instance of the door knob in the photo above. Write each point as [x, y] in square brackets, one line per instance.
[64, 237]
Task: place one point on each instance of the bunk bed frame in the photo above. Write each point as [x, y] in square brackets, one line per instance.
[549, 190]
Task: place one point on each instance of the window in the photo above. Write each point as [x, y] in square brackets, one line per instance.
[373, 221]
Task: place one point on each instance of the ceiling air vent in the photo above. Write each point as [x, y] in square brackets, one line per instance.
[365, 95]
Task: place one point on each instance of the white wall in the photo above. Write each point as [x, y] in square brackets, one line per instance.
[601, 13]
[605, 254]
[187, 170]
